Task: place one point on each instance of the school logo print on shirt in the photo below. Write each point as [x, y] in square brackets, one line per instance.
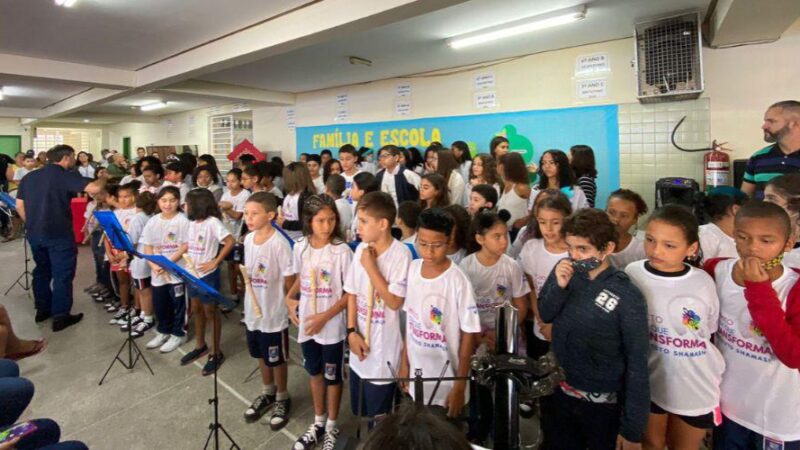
[171, 236]
[436, 315]
[261, 269]
[200, 239]
[501, 291]
[691, 320]
[755, 330]
[325, 275]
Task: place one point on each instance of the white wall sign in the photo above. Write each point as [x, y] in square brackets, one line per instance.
[402, 108]
[590, 64]
[342, 115]
[403, 90]
[485, 100]
[342, 100]
[484, 81]
[592, 88]
[290, 118]
[239, 107]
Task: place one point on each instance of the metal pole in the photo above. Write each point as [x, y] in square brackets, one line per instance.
[506, 420]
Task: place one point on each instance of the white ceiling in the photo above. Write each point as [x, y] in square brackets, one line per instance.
[176, 102]
[127, 34]
[31, 93]
[418, 44]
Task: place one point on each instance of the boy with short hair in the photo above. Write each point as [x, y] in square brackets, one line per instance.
[407, 214]
[28, 165]
[334, 188]
[376, 286]
[152, 176]
[441, 315]
[267, 263]
[348, 158]
[759, 336]
[394, 179]
[481, 196]
[174, 174]
[125, 212]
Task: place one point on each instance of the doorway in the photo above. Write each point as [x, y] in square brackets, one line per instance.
[126, 148]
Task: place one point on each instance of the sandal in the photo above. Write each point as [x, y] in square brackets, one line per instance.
[38, 347]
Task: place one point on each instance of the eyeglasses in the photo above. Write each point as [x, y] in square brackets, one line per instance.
[430, 245]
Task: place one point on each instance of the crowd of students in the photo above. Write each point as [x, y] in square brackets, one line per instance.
[402, 262]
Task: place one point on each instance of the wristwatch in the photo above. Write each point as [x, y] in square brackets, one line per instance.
[350, 330]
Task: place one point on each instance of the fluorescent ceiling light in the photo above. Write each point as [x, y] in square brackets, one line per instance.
[1, 92]
[153, 106]
[517, 27]
[66, 3]
[86, 121]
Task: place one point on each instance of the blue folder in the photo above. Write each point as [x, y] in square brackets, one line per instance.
[8, 200]
[121, 241]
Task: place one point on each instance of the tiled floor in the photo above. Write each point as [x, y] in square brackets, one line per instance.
[136, 410]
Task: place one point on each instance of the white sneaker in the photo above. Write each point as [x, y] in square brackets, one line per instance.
[173, 343]
[157, 341]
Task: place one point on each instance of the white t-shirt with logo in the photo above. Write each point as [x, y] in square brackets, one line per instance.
[633, 252]
[124, 217]
[715, 243]
[348, 184]
[685, 367]
[203, 238]
[758, 391]
[267, 264]
[139, 267]
[537, 262]
[238, 201]
[329, 265]
[494, 285]
[386, 342]
[291, 211]
[166, 237]
[437, 310]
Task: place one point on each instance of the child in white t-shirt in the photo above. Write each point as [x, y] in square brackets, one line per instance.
[716, 237]
[317, 304]
[497, 279]
[232, 207]
[125, 211]
[759, 295]
[298, 188]
[348, 159]
[375, 286]
[203, 257]
[682, 304]
[333, 189]
[442, 320]
[140, 270]
[165, 235]
[624, 207]
[267, 262]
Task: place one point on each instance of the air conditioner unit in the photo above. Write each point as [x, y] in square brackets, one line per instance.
[669, 63]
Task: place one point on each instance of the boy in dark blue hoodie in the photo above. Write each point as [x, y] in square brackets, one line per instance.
[600, 338]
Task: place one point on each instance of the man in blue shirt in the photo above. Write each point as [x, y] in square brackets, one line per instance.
[782, 130]
[44, 203]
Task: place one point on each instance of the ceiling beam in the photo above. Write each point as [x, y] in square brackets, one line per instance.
[48, 69]
[231, 91]
[32, 113]
[104, 117]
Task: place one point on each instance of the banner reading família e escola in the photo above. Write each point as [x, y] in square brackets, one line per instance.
[529, 133]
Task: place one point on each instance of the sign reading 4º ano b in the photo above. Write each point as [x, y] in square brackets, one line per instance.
[529, 133]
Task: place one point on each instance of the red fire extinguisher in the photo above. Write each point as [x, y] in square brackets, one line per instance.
[716, 168]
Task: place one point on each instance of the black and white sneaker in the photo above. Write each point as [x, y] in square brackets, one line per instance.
[112, 306]
[134, 321]
[120, 317]
[329, 441]
[260, 405]
[527, 409]
[140, 328]
[311, 437]
[280, 417]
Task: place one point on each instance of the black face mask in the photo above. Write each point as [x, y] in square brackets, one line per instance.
[586, 265]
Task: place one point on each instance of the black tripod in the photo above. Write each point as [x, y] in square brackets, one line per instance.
[132, 349]
[23, 280]
[215, 427]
